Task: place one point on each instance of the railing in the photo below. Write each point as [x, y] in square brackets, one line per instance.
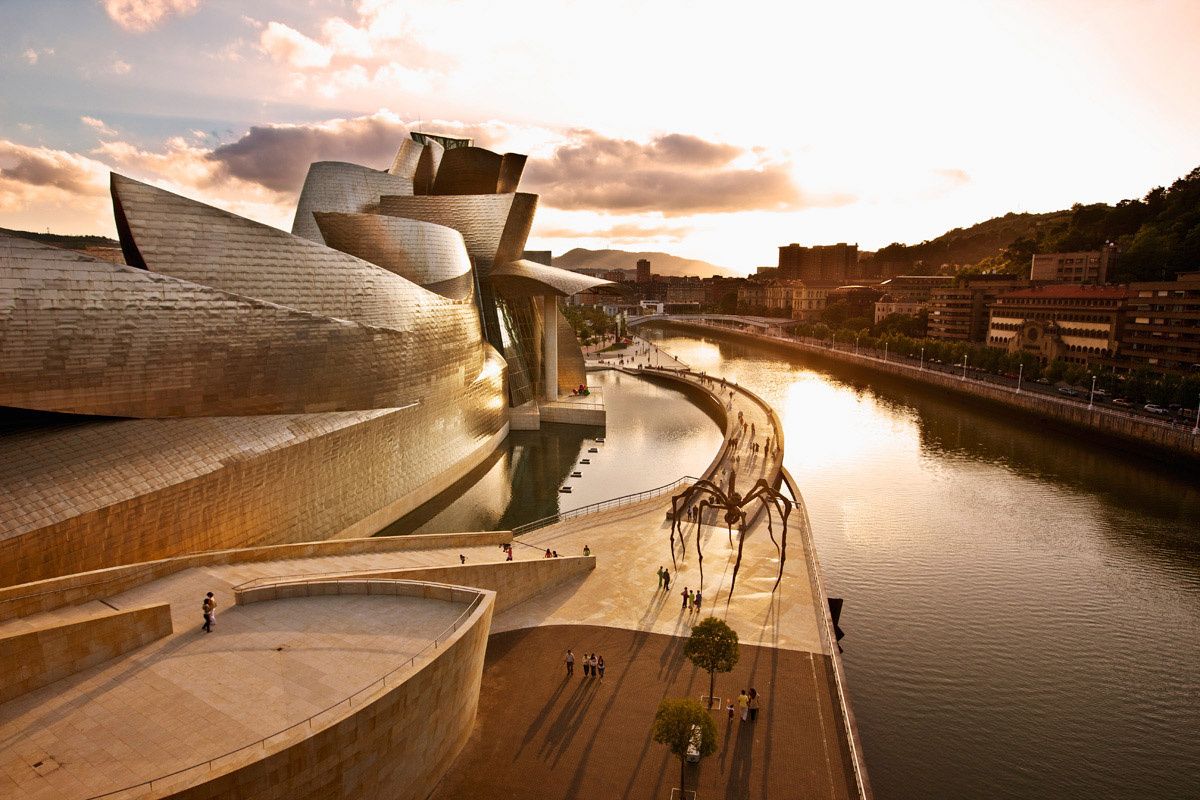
[603, 505]
[262, 744]
[858, 762]
[124, 576]
[974, 376]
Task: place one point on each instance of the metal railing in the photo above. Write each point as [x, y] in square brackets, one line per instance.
[974, 376]
[603, 505]
[858, 761]
[262, 744]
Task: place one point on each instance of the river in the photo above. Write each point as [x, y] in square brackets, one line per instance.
[1022, 607]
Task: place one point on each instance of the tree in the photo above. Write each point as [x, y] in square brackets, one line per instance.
[675, 725]
[713, 647]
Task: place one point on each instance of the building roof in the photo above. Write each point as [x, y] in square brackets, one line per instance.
[529, 277]
[1069, 291]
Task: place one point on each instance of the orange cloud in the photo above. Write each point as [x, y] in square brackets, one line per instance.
[140, 16]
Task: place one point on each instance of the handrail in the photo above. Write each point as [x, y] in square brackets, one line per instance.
[603, 505]
[905, 362]
[347, 701]
[858, 762]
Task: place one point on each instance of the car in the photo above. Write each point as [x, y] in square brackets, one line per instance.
[1068, 391]
[1122, 402]
[1043, 381]
[1153, 409]
[1101, 393]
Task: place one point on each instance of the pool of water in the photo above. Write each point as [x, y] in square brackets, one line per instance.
[654, 435]
[1022, 608]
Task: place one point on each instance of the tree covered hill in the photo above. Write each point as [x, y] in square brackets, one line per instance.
[1157, 236]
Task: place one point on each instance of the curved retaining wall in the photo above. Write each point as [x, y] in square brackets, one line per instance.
[395, 746]
[1157, 440]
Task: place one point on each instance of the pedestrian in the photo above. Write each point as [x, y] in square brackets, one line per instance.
[595, 666]
[692, 601]
[547, 553]
[462, 559]
[698, 600]
[666, 581]
[587, 551]
[753, 704]
[556, 554]
[744, 705]
[587, 665]
[210, 611]
[685, 594]
[729, 707]
[662, 577]
[600, 666]
[570, 663]
[508, 554]
[751, 430]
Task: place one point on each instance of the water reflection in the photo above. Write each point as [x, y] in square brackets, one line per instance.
[1022, 604]
[655, 434]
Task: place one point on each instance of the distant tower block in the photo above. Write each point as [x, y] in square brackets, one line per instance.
[643, 270]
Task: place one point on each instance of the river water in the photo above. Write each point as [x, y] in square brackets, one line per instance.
[1022, 607]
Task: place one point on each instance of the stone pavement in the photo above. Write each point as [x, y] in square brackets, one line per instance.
[193, 696]
[541, 735]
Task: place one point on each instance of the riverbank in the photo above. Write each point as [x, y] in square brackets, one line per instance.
[1144, 435]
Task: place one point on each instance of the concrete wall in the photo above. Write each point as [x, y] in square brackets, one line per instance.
[30, 598]
[1146, 435]
[512, 581]
[39, 657]
[395, 746]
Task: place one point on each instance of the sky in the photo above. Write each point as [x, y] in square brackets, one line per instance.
[717, 131]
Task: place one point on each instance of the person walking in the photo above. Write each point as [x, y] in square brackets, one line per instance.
[744, 704]
[462, 559]
[698, 601]
[666, 580]
[686, 595]
[508, 554]
[661, 576]
[570, 663]
[595, 666]
[752, 704]
[210, 611]
[547, 554]
[729, 707]
[587, 665]
[587, 551]
[600, 666]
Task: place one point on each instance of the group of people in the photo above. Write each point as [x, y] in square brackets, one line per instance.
[581, 390]
[593, 665]
[550, 553]
[664, 578]
[693, 513]
[691, 600]
[748, 703]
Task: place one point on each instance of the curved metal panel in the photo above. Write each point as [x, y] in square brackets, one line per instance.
[425, 253]
[521, 277]
[338, 186]
[468, 170]
[495, 227]
[83, 336]
[408, 156]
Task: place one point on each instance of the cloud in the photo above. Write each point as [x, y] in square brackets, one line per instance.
[277, 156]
[140, 16]
[31, 55]
[120, 67]
[98, 125]
[674, 174]
[953, 178]
[29, 173]
[286, 45]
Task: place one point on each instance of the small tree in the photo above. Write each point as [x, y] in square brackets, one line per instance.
[675, 725]
[713, 647]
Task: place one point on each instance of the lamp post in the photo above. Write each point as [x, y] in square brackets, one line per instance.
[1092, 396]
[1196, 430]
[922, 359]
[855, 345]
[1020, 375]
[964, 377]
[885, 345]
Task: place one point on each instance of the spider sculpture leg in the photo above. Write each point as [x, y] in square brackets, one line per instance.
[738, 563]
[787, 510]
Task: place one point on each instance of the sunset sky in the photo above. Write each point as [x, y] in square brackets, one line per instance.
[710, 130]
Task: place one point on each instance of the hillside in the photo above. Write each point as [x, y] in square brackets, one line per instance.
[61, 240]
[1156, 237]
[660, 263]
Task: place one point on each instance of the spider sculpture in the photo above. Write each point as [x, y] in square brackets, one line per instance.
[733, 505]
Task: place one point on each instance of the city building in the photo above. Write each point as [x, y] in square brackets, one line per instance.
[1079, 324]
[1084, 267]
[643, 271]
[908, 294]
[823, 262]
[960, 312]
[809, 298]
[1162, 325]
[888, 305]
[858, 300]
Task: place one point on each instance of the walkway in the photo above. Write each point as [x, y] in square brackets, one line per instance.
[541, 735]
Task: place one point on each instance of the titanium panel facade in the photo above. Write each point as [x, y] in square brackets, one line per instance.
[494, 226]
[337, 186]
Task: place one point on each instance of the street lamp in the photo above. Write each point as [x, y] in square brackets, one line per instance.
[922, 359]
[1020, 375]
[1092, 396]
[855, 345]
[964, 377]
[885, 345]
[1196, 430]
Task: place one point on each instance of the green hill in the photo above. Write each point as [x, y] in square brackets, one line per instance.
[60, 240]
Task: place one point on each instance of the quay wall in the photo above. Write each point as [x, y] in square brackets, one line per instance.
[1145, 435]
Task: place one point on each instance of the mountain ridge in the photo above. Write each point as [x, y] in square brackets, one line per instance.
[660, 263]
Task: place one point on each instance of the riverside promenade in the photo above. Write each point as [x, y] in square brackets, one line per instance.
[1154, 437]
